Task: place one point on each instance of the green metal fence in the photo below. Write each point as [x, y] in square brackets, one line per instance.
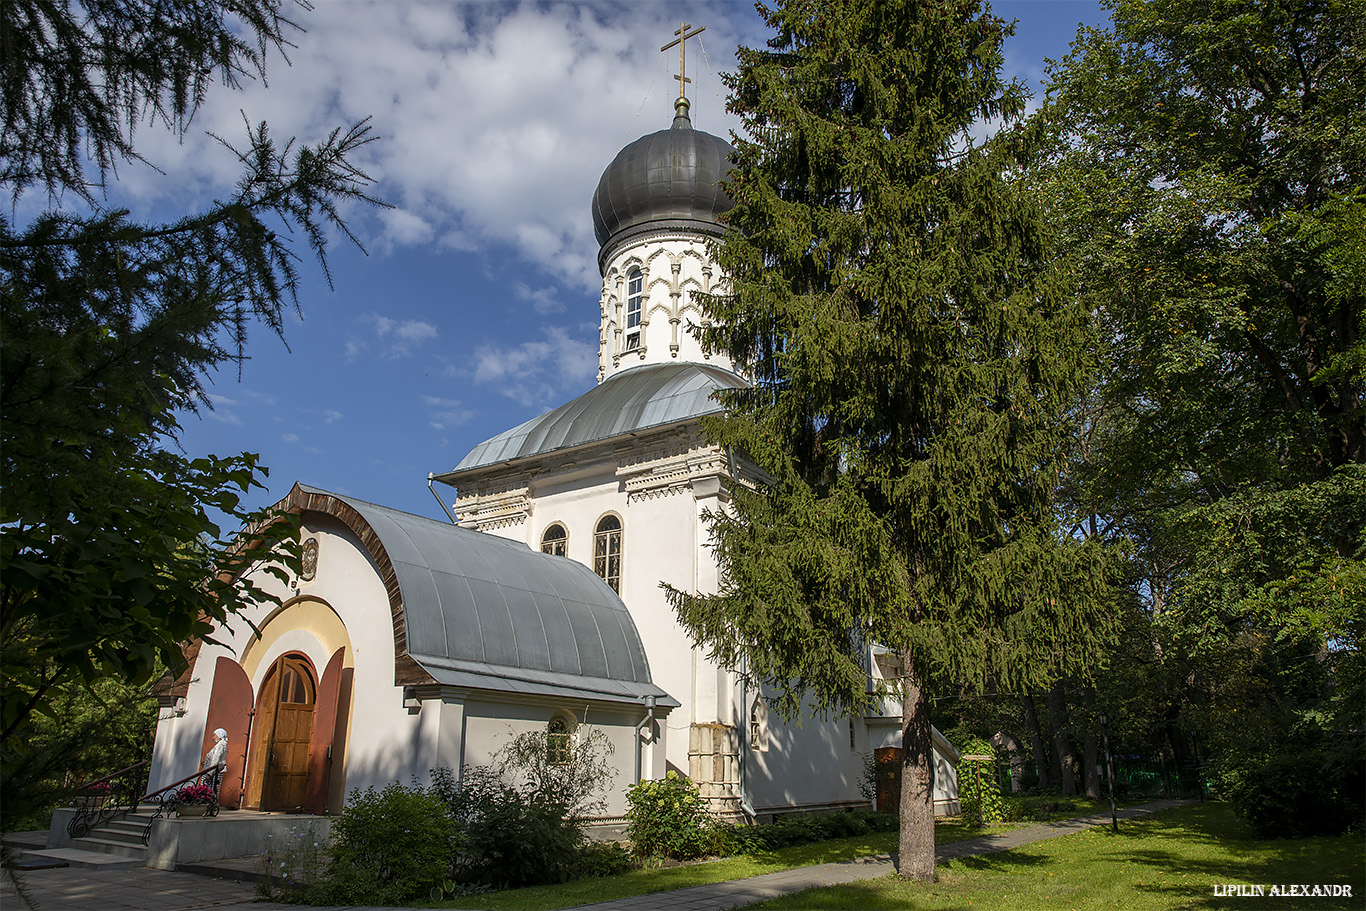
[1134, 778]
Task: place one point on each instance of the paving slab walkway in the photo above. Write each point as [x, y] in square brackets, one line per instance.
[145, 889]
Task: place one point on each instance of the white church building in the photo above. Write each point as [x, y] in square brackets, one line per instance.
[408, 644]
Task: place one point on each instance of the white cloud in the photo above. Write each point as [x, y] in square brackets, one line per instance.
[331, 415]
[404, 228]
[414, 331]
[444, 413]
[542, 300]
[223, 410]
[260, 398]
[495, 120]
[538, 373]
[290, 437]
[390, 337]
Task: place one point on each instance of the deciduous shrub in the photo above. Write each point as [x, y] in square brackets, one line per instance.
[804, 828]
[667, 818]
[520, 821]
[505, 837]
[1295, 795]
[579, 782]
[387, 847]
[605, 858]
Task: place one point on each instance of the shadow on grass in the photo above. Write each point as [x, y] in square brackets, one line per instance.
[1185, 853]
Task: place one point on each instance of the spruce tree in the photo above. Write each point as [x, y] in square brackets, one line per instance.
[911, 355]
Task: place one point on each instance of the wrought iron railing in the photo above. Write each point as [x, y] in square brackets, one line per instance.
[116, 796]
[178, 794]
[110, 797]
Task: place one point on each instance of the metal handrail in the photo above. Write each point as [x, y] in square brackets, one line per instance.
[168, 798]
[121, 790]
[93, 815]
[150, 796]
[85, 786]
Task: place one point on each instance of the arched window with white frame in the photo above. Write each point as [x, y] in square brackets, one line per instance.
[607, 551]
[635, 305]
[555, 540]
[559, 740]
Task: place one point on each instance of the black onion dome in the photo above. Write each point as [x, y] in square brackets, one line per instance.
[669, 179]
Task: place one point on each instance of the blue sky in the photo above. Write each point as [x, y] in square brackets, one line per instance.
[476, 306]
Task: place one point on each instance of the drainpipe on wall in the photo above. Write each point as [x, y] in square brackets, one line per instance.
[647, 720]
[746, 750]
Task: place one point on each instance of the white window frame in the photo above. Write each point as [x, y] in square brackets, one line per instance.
[635, 307]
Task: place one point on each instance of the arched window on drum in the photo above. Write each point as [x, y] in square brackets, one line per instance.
[635, 305]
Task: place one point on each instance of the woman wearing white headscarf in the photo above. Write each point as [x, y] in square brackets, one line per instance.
[216, 760]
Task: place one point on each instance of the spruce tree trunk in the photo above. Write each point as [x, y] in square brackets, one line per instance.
[1090, 749]
[1036, 741]
[1064, 752]
[917, 782]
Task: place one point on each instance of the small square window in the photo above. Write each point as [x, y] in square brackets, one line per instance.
[632, 341]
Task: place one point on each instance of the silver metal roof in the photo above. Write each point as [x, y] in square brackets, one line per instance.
[648, 396]
[486, 612]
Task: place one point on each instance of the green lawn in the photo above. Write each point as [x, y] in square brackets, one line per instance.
[644, 882]
[1170, 860]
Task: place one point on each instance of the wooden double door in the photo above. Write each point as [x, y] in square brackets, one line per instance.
[284, 725]
[286, 743]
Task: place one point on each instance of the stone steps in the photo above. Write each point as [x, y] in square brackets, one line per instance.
[99, 843]
[118, 838]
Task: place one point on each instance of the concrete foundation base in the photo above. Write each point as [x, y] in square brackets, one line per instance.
[232, 833]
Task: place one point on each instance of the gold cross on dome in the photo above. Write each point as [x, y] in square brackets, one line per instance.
[683, 35]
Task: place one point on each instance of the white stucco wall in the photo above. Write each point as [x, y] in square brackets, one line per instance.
[492, 724]
[664, 539]
[811, 764]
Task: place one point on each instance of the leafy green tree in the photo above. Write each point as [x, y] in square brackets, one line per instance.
[84, 732]
[109, 326]
[1207, 179]
[1209, 175]
[911, 352]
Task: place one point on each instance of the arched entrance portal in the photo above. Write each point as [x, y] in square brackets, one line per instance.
[284, 731]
